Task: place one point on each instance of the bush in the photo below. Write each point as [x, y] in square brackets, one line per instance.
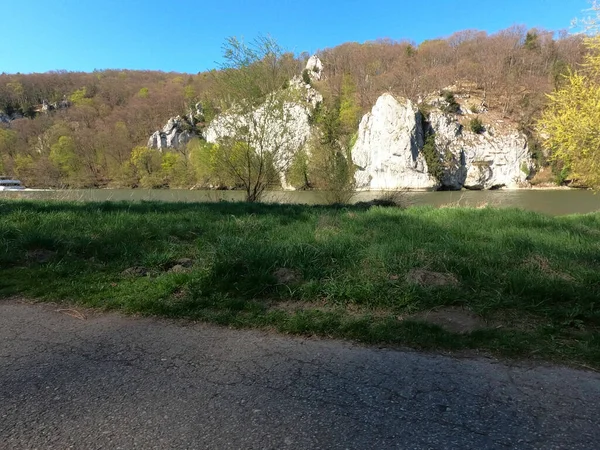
[305, 76]
[452, 105]
[476, 126]
[432, 158]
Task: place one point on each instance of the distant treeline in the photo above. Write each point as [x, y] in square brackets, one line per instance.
[98, 139]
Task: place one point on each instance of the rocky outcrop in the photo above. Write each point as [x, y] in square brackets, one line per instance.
[47, 106]
[389, 151]
[479, 161]
[279, 131]
[314, 66]
[175, 134]
[8, 118]
[308, 94]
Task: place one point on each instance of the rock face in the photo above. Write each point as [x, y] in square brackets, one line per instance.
[314, 66]
[479, 161]
[282, 133]
[174, 134]
[308, 93]
[388, 151]
[47, 106]
[8, 118]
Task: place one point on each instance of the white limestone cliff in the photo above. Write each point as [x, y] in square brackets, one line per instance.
[479, 161]
[387, 151]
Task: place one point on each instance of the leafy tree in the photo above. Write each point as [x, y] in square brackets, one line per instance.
[64, 157]
[569, 125]
[349, 109]
[147, 163]
[330, 166]
[8, 141]
[80, 98]
[257, 145]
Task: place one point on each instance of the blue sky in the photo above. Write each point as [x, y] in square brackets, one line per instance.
[187, 36]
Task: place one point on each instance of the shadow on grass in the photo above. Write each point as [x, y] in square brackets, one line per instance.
[351, 258]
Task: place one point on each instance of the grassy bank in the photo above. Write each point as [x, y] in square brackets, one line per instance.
[530, 282]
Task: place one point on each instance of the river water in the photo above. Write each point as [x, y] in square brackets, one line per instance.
[555, 202]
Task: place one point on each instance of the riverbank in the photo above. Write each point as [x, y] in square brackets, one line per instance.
[509, 282]
[554, 201]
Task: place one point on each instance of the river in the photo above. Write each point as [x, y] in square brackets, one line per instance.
[554, 202]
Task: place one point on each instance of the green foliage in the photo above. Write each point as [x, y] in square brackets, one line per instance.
[63, 155]
[147, 163]
[474, 108]
[80, 98]
[143, 92]
[476, 125]
[349, 110]
[532, 41]
[561, 172]
[259, 146]
[525, 271]
[297, 174]
[569, 124]
[8, 140]
[451, 106]
[559, 73]
[433, 159]
[306, 77]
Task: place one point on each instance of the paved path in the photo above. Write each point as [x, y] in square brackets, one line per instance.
[117, 382]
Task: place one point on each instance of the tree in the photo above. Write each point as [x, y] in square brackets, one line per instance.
[569, 125]
[256, 143]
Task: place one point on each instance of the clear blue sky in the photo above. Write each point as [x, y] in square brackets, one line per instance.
[186, 36]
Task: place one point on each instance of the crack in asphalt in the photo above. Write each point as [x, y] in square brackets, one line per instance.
[120, 382]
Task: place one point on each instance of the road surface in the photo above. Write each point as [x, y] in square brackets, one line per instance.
[112, 382]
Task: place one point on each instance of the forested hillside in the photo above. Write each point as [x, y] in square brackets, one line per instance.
[63, 129]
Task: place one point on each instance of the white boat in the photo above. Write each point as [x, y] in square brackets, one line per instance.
[6, 184]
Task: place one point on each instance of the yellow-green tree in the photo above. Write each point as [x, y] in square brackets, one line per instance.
[64, 157]
[570, 126]
[258, 145]
[147, 163]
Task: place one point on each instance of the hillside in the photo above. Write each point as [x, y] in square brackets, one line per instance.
[64, 129]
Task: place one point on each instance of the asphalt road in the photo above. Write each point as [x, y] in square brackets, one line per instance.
[118, 382]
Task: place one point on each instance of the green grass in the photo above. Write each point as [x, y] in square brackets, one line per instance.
[535, 279]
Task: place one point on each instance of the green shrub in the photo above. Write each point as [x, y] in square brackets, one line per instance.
[451, 106]
[432, 158]
[476, 126]
[305, 76]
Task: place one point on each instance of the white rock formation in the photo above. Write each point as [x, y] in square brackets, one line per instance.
[479, 161]
[172, 135]
[307, 93]
[387, 151]
[314, 66]
[281, 131]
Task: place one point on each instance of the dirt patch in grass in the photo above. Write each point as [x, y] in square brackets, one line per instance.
[39, 256]
[287, 276]
[452, 319]
[543, 265]
[427, 278]
[135, 271]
